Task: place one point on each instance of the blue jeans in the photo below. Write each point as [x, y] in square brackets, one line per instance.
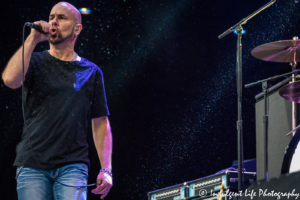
[33, 184]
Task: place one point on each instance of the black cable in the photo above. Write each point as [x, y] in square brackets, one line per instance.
[25, 126]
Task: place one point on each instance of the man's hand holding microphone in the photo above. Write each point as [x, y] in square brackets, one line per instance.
[41, 30]
[12, 75]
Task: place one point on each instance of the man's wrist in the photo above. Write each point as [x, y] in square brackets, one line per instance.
[31, 41]
[106, 170]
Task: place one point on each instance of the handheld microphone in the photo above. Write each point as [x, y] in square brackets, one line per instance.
[35, 26]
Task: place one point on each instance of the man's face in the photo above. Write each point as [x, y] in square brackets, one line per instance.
[63, 21]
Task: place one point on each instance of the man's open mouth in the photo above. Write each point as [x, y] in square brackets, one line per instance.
[53, 31]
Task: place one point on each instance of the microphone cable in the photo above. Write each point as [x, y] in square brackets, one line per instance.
[25, 126]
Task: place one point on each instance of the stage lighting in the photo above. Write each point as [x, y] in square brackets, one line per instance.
[85, 11]
[243, 32]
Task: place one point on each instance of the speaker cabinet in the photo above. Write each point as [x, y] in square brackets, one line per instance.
[280, 123]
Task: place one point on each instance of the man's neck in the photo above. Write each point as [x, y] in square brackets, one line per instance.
[65, 53]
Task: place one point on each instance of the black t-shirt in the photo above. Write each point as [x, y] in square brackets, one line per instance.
[60, 97]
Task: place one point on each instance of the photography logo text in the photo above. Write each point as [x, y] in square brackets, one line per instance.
[253, 193]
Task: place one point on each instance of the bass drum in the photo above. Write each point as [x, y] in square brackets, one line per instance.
[291, 160]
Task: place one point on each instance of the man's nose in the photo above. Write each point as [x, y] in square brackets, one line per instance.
[53, 22]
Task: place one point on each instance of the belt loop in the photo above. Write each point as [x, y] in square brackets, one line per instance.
[18, 172]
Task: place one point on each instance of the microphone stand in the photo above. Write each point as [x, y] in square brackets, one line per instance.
[238, 27]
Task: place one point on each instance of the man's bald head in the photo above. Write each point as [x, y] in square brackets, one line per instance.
[72, 10]
[65, 21]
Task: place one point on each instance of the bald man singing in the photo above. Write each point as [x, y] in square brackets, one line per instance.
[62, 92]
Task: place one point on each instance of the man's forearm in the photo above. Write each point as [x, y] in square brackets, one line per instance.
[12, 75]
[103, 142]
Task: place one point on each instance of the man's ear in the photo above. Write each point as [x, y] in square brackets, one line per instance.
[78, 29]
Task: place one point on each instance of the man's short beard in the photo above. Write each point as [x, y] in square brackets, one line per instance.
[57, 39]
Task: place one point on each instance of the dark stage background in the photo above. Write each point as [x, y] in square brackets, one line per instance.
[170, 84]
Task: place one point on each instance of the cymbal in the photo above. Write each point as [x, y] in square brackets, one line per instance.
[280, 51]
[291, 92]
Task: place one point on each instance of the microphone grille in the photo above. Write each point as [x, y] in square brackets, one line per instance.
[28, 24]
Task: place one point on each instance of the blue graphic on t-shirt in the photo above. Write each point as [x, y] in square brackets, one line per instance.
[82, 77]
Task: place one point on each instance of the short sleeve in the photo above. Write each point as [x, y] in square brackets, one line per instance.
[99, 104]
[29, 74]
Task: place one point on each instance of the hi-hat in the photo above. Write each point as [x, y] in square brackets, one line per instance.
[280, 51]
[291, 92]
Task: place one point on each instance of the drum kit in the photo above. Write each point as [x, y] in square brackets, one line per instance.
[286, 51]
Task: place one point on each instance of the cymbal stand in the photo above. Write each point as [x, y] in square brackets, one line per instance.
[294, 104]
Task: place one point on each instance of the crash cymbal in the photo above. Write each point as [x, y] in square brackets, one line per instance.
[280, 51]
[291, 92]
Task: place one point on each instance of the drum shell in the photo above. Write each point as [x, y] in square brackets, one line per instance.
[290, 150]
